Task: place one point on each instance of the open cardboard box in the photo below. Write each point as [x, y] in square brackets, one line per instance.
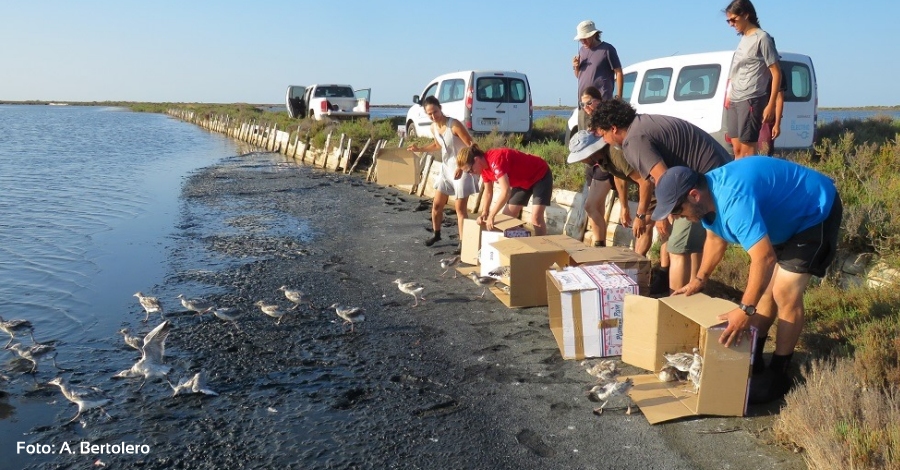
[679, 323]
[398, 167]
[585, 306]
[473, 234]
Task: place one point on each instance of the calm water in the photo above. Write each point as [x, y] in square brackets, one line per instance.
[88, 207]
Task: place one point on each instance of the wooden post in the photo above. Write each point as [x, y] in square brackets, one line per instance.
[359, 156]
[327, 145]
[340, 152]
[429, 160]
[305, 146]
[371, 174]
[341, 160]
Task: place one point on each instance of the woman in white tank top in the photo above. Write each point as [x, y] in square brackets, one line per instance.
[450, 136]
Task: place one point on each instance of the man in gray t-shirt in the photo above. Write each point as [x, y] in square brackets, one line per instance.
[652, 144]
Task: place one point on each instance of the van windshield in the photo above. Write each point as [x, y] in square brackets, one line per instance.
[334, 92]
[501, 90]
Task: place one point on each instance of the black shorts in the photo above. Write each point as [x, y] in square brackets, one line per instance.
[744, 119]
[542, 192]
[812, 250]
[597, 173]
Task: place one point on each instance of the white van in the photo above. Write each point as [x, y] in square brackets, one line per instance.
[693, 87]
[482, 100]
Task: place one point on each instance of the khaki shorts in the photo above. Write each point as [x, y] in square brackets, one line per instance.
[686, 237]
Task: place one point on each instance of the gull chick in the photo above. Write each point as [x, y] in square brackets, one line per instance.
[669, 374]
[272, 310]
[499, 273]
[609, 391]
[195, 384]
[295, 296]
[449, 263]
[696, 370]
[87, 398]
[606, 371]
[483, 281]
[681, 361]
[135, 342]
[350, 315]
[150, 304]
[200, 306]
[412, 288]
[229, 314]
[151, 365]
[33, 353]
[11, 327]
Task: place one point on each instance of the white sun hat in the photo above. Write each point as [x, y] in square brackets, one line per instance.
[585, 29]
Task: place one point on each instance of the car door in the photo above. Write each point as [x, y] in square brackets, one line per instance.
[294, 101]
[363, 99]
[798, 121]
[490, 106]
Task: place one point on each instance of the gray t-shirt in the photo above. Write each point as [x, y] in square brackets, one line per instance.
[654, 138]
[749, 75]
[596, 68]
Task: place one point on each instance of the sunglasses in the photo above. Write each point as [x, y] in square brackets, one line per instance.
[679, 206]
[585, 104]
[732, 20]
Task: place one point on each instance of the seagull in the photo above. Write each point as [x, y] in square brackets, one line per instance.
[295, 296]
[412, 288]
[86, 398]
[200, 306]
[150, 304]
[33, 353]
[228, 314]
[606, 371]
[606, 392]
[135, 342]
[499, 273]
[151, 365]
[681, 361]
[448, 263]
[10, 327]
[696, 370]
[669, 374]
[483, 281]
[272, 310]
[195, 384]
[350, 315]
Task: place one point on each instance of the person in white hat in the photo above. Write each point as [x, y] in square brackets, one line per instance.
[597, 64]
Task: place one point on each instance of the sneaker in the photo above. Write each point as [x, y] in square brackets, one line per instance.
[431, 241]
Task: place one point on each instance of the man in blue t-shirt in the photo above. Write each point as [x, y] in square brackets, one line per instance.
[787, 217]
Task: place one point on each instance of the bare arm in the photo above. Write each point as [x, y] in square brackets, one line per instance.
[779, 113]
[762, 265]
[432, 147]
[497, 206]
[645, 193]
[462, 133]
[620, 82]
[625, 209]
[769, 111]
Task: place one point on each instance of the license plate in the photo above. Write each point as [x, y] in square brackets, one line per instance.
[489, 122]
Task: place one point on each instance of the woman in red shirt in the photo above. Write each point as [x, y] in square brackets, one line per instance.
[520, 177]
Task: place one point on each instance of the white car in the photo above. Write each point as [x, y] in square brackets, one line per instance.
[327, 101]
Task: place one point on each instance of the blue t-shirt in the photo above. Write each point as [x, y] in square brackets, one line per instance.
[759, 196]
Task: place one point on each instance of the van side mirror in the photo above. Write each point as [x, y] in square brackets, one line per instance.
[416, 99]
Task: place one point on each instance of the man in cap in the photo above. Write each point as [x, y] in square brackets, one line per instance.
[787, 218]
[652, 144]
[597, 64]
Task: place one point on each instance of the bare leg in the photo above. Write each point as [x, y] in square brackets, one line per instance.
[679, 270]
[788, 289]
[462, 212]
[537, 220]
[437, 210]
[594, 207]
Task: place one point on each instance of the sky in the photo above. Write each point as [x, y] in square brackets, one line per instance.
[250, 51]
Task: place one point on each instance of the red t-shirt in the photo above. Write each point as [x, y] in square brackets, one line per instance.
[524, 170]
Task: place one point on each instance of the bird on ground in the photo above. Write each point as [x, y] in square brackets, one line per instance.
[272, 310]
[609, 391]
[229, 314]
[11, 327]
[150, 304]
[87, 398]
[296, 297]
[34, 353]
[696, 370]
[449, 263]
[195, 384]
[681, 361]
[500, 272]
[200, 306]
[134, 341]
[606, 371]
[483, 281]
[350, 315]
[669, 374]
[412, 288]
[152, 363]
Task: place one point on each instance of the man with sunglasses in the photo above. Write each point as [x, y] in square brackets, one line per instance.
[787, 218]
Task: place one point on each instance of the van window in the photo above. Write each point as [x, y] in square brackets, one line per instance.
[655, 86]
[628, 85]
[799, 81]
[697, 82]
[334, 92]
[501, 90]
[430, 91]
[452, 90]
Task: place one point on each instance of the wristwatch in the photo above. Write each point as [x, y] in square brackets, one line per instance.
[641, 216]
[750, 310]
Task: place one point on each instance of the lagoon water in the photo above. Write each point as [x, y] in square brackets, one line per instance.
[89, 206]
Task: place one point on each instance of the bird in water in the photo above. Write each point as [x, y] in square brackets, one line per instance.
[134, 341]
[200, 306]
[195, 384]
[500, 272]
[483, 281]
[681, 361]
[449, 263]
[11, 327]
[34, 353]
[412, 288]
[696, 369]
[272, 310]
[229, 314]
[87, 398]
[609, 391]
[296, 297]
[152, 364]
[350, 315]
[150, 304]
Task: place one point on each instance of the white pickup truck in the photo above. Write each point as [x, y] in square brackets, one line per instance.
[327, 101]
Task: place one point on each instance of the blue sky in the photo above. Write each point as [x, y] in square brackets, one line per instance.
[229, 51]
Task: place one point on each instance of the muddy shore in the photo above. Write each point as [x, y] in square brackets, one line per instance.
[453, 383]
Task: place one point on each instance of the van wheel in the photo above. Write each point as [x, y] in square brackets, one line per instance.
[411, 131]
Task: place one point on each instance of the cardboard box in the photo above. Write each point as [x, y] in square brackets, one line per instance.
[585, 309]
[533, 256]
[679, 323]
[473, 233]
[398, 167]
